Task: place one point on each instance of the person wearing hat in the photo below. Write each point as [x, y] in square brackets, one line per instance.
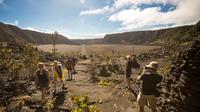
[148, 81]
[69, 66]
[42, 80]
[130, 63]
[57, 74]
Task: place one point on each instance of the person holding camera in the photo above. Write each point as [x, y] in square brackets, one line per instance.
[148, 81]
[42, 80]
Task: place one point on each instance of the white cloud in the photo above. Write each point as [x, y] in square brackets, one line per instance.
[95, 11]
[122, 3]
[131, 17]
[32, 29]
[16, 23]
[119, 4]
[186, 12]
[82, 1]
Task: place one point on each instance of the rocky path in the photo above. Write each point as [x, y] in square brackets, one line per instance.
[114, 98]
[109, 98]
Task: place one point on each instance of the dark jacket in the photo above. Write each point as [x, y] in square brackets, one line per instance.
[149, 82]
[59, 70]
[129, 65]
[42, 80]
[69, 64]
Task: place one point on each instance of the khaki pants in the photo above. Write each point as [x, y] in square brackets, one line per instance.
[147, 99]
[44, 94]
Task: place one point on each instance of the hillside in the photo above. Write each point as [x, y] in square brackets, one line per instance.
[138, 37]
[146, 37]
[179, 91]
[10, 32]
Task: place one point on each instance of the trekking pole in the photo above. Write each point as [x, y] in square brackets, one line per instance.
[118, 109]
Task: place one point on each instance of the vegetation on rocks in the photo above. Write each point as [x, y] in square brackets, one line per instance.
[83, 104]
[180, 88]
[49, 105]
[178, 92]
[105, 83]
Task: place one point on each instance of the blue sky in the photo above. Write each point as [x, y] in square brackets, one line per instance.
[95, 18]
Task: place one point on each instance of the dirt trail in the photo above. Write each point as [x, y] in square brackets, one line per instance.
[115, 98]
[108, 98]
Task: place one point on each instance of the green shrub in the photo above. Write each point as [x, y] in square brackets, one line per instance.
[82, 103]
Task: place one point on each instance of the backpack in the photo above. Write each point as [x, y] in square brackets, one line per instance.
[58, 69]
[42, 79]
[135, 64]
[68, 64]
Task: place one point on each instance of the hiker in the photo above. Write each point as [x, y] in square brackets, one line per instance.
[131, 63]
[42, 80]
[69, 66]
[57, 72]
[148, 79]
[74, 60]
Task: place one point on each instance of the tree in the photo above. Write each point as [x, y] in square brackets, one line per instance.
[54, 39]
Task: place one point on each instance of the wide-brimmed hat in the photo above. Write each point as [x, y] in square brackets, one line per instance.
[128, 57]
[153, 65]
[55, 62]
[40, 64]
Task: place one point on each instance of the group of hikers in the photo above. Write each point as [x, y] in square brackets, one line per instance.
[147, 80]
[56, 72]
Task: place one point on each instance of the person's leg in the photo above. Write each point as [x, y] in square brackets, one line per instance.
[63, 84]
[141, 109]
[141, 101]
[128, 82]
[68, 74]
[74, 71]
[71, 74]
[152, 102]
[42, 96]
[43, 91]
[55, 84]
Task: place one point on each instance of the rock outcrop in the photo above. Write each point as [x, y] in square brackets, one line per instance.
[180, 90]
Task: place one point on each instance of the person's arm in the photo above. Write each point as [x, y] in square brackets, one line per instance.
[48, 78]
[126, 67]
[160, 78]
[36, 79]
[139, 79]
[61, 69]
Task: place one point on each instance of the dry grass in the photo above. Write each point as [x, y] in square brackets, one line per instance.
[61, 48]
[100, 49]
[118, 49]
